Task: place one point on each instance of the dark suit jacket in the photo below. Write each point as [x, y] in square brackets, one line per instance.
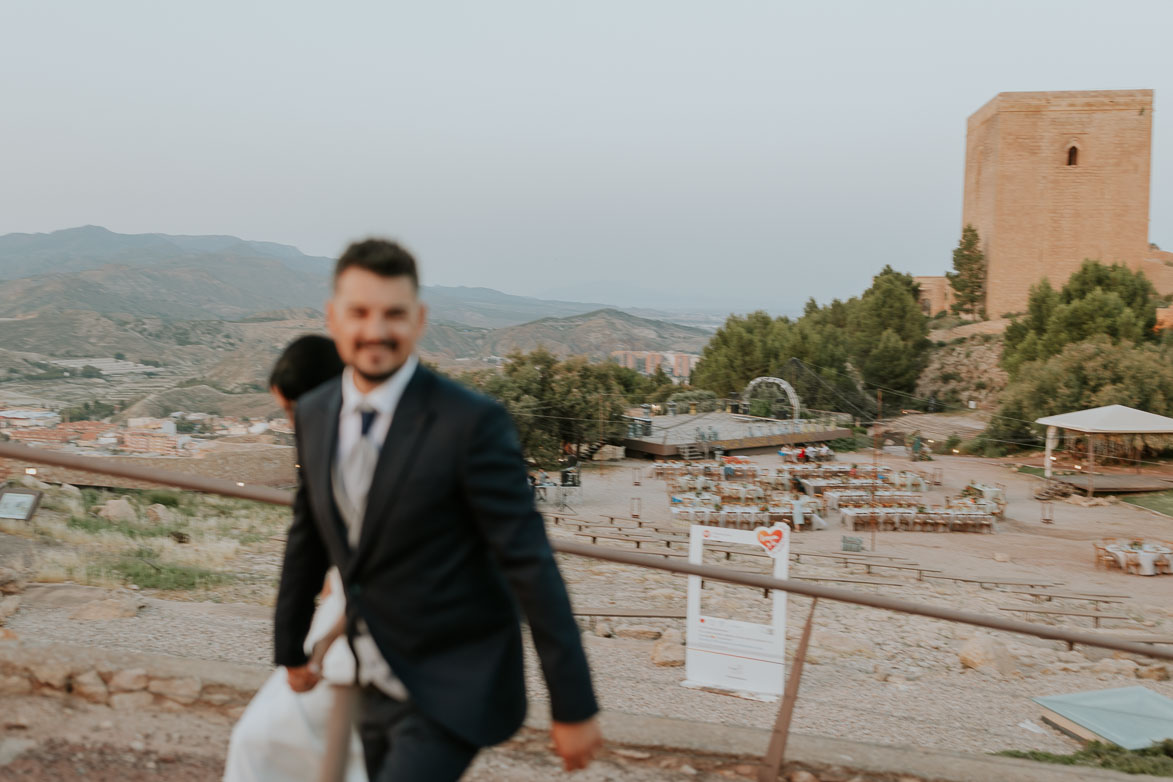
[451, 544]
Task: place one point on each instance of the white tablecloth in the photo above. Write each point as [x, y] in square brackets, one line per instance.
[1148, 557]
[990, 493]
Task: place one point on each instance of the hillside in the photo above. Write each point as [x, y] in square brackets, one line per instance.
[215, 311]
[488, 308]
[77, 334]
[92, 247]
[206, 277]
[185, 288]
[963, 370]
[596, 334]
[454, 340]
[203, 399]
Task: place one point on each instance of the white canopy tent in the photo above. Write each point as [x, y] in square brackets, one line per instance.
[1111, 419]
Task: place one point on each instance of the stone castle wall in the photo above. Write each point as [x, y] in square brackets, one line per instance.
[1040, 213]
[936, 294]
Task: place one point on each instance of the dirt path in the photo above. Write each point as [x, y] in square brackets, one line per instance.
[49, 739]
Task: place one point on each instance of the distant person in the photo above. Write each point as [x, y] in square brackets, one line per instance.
[281, 737]
[415, 488]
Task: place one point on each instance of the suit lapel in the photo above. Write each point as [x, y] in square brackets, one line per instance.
[410, 420]
[321, 469]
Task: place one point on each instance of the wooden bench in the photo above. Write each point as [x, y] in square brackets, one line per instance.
[589, 525]
[765, 592]
[920, 571]
[868, 581]
[667, 553]
[637, 522]
[621, 533]
[868, 555]
[1096, 616]
[1094, 599]
[846, 555]
[582, 524]
[728, 551]
[597, 535]
[572, 519]
[1148, 639]
[630, 613]
[994, 581]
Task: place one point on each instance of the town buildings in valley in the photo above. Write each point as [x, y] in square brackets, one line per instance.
[180, 434]
[678, 366]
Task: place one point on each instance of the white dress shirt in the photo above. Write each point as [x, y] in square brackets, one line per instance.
[383, 399]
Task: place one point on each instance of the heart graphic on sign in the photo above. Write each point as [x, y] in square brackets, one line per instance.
[769, 538]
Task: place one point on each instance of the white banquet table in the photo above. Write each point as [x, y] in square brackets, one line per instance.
[1148, 556]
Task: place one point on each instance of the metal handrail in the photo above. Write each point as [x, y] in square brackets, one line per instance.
[716, 573]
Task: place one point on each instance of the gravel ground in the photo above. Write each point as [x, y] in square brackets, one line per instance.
[875, 676]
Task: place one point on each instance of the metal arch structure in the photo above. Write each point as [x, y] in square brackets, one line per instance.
[789, 389]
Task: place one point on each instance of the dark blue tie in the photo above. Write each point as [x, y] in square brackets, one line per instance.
[368, 418]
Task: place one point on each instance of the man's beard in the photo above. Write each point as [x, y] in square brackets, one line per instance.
[380, 377]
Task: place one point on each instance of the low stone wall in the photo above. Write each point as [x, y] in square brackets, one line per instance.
[127, 680]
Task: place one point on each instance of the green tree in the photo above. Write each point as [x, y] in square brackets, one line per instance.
[968, 277]
[1092, 373]
[89, 411]
[557, 405]
[890, 333]
[829, 352]
[706, 401]
[742, 349]
[639, 388]
[1098, 300]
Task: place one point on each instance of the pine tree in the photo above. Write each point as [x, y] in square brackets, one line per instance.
[968, 277]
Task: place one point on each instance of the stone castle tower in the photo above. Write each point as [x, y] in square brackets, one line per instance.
[1052, 178]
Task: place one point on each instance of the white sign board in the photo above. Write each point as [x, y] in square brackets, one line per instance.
[730, 654]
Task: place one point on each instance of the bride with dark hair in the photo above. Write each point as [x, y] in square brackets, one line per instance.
[281, 737]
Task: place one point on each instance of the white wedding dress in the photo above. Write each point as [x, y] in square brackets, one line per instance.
[281, 737]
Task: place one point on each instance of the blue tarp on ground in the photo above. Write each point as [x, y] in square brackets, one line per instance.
[1132, 717]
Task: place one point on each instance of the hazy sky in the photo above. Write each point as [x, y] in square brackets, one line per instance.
[728, 152]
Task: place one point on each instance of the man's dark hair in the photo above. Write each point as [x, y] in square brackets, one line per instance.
[305, 364]
[384, 258]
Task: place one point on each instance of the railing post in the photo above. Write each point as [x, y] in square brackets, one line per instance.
[777, 750]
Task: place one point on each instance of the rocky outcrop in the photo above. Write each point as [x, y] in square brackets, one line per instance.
[160, 513]
[10, 582]
[125, 680]
[962, 371]
[119, 510]
[668, 652]
[987, 654]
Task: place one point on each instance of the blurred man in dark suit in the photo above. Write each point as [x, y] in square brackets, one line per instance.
[416, 489]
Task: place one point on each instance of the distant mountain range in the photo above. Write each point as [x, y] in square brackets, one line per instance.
[218, 277]
[217, 310]
[154, 275]
[594, 334]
